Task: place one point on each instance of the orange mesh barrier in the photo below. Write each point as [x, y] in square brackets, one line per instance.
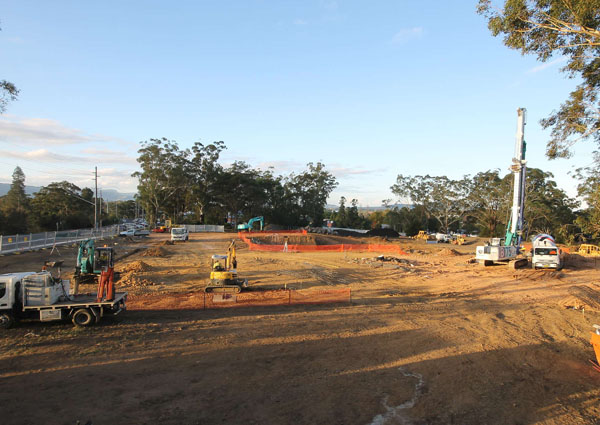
[247, 299]
[303, 231]
[202, 300]
[392, 249]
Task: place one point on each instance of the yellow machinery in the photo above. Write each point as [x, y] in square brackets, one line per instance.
[589, 250]
[458, 240]
[223, 275]
[423, 235]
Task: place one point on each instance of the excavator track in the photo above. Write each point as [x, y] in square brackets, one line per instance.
[225, 289]
[518, 264]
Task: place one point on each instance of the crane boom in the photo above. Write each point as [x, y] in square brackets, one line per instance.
[519, 170]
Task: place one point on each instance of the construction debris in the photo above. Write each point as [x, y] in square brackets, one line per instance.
[582, 297]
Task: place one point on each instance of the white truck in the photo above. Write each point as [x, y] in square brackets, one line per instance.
[545, 254]
[179, 234]
[40, 296]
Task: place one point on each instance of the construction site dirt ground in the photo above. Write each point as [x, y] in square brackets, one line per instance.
[429, 339]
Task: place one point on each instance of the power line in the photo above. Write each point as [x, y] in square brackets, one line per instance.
[60, 173]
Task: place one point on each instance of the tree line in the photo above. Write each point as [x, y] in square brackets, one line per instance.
[482, 204]
[191, 186]
[57, 206]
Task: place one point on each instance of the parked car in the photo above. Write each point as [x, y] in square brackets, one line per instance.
[129, 232]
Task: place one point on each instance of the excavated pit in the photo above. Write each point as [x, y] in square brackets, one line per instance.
[314, 240]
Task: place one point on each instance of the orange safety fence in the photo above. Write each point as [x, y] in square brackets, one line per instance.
[303, 231]
[203, 301]
[391, 249]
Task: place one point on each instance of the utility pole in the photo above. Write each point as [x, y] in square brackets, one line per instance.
[96, 199]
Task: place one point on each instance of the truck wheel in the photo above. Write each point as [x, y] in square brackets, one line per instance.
[6, 320]
[83, 317]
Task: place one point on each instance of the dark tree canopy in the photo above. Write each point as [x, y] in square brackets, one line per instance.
[553, 29]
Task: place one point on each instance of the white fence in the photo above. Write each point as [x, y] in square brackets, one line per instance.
[31, 241]
[197, 228]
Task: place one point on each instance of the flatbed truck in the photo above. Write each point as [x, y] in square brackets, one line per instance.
[40, 296]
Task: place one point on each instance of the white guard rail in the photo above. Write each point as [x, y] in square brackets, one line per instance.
[197, 228]
[32, 241]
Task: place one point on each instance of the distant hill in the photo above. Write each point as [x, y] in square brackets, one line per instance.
[5, 187]
[108, 194]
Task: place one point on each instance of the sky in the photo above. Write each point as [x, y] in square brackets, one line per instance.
[371, 89]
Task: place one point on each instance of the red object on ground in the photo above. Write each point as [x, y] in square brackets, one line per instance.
[106, 287]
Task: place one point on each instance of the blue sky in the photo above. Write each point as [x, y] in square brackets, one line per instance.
[372, 89]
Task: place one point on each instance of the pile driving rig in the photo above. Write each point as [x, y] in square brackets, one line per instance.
[506, 251]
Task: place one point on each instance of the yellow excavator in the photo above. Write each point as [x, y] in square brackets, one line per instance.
[424, 235]
[588, 250]
[223, 275]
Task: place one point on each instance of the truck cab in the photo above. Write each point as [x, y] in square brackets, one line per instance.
[179, 234]
[545, 254]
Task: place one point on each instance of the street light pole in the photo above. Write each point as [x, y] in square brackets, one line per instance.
[96, 199]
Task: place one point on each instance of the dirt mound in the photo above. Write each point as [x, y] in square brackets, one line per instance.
[581, 297]
[386, 233]
[131, 279]
[447, 252]
[136, 266]
[154, 252]
[167, 242]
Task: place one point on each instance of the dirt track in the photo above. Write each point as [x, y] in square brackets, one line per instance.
[434, 340]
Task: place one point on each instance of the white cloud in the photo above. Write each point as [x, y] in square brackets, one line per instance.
[341, 172]
[40, 130]
[45, 156]
[39, 155]
[406, 34]
[546, 65]
[300, 22]
[15, 40]
[43, 131]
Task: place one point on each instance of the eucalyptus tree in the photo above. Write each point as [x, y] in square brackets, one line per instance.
[563, 30]
[441, 198]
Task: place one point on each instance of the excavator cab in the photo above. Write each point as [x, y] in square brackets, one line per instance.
[103, 259]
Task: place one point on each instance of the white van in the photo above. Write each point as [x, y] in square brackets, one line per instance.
[179, 234]
[545, 254]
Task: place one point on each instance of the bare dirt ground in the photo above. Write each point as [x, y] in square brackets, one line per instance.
[430, 340]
